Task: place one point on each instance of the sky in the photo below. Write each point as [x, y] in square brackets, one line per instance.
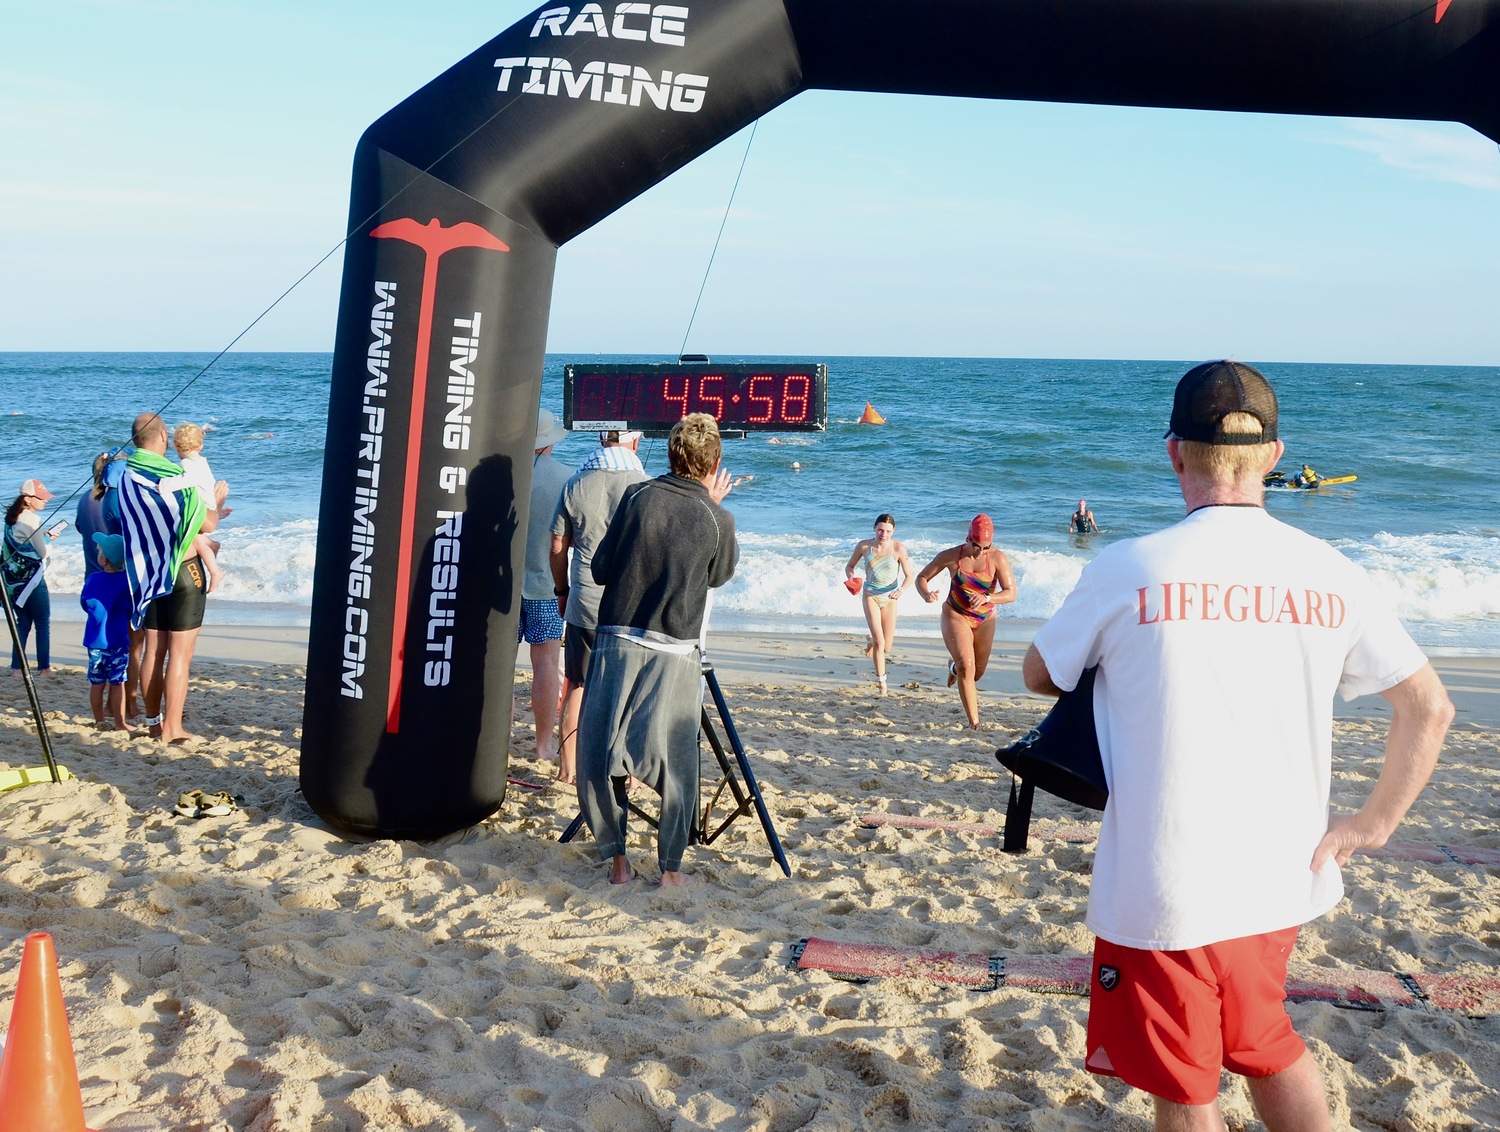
[168, 168]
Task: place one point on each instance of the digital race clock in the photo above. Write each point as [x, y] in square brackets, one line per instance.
[652, 398]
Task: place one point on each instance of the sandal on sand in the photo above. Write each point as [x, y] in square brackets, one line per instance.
[189, 803]
[216, 805]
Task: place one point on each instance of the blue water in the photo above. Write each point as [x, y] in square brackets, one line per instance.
[1020, 439]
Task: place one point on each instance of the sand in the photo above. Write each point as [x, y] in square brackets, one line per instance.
[258, 972]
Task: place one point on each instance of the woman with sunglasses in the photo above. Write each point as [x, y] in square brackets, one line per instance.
[981, 582]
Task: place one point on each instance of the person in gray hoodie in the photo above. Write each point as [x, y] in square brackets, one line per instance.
[669, 543]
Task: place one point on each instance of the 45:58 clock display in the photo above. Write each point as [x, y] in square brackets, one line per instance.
[740, 397]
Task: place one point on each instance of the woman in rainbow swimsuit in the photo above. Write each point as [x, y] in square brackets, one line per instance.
[888, 570]
[982, 582]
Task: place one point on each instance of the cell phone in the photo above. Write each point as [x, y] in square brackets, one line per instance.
[57, 528]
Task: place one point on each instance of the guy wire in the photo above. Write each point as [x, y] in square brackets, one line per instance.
[88, 484]
[754, 126]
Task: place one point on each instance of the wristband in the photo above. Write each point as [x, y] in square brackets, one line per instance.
[559, 591]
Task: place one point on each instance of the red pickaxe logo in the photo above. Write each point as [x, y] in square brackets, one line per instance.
[1442, 7]
[435, 242]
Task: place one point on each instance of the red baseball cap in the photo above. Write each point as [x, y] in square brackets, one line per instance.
[981, 530]
[36, 488]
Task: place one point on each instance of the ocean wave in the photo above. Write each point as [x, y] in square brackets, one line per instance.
[1433, 578]
[1446, 587]
[269, 564]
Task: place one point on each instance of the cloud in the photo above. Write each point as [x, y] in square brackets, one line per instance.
[1451, 153]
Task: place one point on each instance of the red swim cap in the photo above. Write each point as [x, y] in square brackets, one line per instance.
[981, 531]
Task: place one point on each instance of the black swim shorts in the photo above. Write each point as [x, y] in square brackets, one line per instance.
[182, 609]
[578, 646]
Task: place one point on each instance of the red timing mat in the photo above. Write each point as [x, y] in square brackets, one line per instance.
[878, 961]
[1475, 995]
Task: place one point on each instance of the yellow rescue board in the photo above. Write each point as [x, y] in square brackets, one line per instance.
[30, 776]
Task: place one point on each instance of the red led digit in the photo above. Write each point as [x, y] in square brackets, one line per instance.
[794, 404]
[757, 415]
[588, 399]
[626, 400]
[705, 397]
[672, 397]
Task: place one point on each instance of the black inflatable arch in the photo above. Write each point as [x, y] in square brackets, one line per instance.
[463, 193]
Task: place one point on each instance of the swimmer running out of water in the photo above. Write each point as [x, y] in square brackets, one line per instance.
[982, 581]
[888, 571]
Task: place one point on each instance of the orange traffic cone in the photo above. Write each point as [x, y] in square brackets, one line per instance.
[38, 1075]
[870, 416]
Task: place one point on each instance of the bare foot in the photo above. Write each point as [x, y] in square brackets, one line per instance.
[677, 880]
[545, 753]
[620, 871]
[869, 646]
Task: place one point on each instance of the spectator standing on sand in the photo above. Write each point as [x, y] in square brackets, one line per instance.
[1220, 643]
[25, 551]
[168, 583]
[588, 503]
[540, 625]
[88, 518]
[106, 632]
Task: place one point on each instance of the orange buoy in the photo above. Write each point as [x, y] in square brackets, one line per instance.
[870, 416]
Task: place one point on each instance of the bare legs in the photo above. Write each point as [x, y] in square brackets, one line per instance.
[567, 755]
[1294, 1100]
[133, 674]
[107, 702]
[880, 616]
[165, 666]
[969, 645]
[546, 684]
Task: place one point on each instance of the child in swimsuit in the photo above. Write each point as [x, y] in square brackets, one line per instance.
[886, 576]
[882, 577]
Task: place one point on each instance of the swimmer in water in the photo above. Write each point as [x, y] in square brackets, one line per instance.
[981, 582]
[1082, 520]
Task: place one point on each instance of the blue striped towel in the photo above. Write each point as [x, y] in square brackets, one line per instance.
[158, 529]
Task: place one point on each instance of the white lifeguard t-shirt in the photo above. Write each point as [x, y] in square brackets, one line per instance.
[1220, 643]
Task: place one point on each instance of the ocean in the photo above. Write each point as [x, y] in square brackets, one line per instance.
[1021, 439]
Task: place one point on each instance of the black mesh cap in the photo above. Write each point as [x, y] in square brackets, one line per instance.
[1210, 392]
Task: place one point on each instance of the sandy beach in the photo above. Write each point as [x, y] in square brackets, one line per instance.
[258, 972]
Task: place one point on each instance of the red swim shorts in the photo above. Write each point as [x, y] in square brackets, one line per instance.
[1167, 1021]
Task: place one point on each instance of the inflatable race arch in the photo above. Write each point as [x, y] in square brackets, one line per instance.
[463, 193]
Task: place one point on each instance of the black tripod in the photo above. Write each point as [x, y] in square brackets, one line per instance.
[36, 707]
[738, 779]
